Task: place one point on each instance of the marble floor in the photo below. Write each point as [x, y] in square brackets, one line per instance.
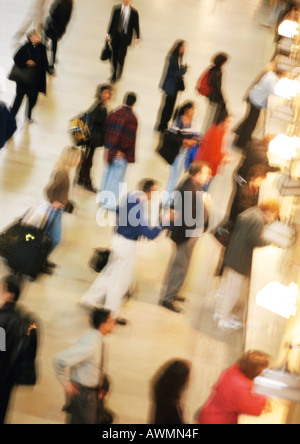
[154, 335]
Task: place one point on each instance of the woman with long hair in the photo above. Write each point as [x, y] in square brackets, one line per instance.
[167, 389]
[183, 121]
[97, 117]
[173, 82]
[58, 195]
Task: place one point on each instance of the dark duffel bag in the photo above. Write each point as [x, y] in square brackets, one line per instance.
[29, 252]
[99, 259]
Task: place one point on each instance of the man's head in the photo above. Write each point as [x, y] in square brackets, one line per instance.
[102, 321]
[271, 210]
[127, 2]
[10, 290]
[201, 173]
[34, 37]
[256, 175]
[130, 99]
[148, 186]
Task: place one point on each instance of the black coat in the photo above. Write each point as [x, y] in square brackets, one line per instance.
[39, 56]
[167, 413]
[58, 18]
[98, 116]
[9, 319]
[186, 204]
[133, 25]
[215, 80]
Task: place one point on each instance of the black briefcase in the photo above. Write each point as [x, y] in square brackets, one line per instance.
[106, 53]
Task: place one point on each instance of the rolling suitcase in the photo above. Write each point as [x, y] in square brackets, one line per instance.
[29, 253]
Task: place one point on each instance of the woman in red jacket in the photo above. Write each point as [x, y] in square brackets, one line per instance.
[233, 393]
[212, 148]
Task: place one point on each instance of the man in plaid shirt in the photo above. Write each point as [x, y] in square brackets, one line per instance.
[119, 142]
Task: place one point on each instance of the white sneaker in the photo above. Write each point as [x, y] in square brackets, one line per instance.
[230, 324]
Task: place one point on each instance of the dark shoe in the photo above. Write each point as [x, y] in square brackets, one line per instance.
[113, 79]
[89, 187]
[47, 270]
[180, 299]
[121, 321]
[50, 264]
[172, 307]
[51, 70]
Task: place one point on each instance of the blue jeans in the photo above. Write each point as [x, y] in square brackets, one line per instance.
[176, 171]
[53, 227]
[112, 180]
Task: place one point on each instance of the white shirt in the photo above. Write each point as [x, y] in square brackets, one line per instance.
[260, 93]
[82, 363]
[127, 11]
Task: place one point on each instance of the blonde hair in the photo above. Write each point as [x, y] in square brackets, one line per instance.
[271, 206]
[68, 159]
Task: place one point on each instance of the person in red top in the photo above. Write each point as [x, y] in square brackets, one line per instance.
[233, 394]
[211, 148]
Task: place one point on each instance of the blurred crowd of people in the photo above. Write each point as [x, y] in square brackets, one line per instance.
[201, 156]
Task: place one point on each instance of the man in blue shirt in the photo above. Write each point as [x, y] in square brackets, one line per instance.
[114, 281]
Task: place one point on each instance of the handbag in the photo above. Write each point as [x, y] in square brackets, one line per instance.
[170, 145]
[106, 53]
[99, 259]
[80, 129]
[24, 76]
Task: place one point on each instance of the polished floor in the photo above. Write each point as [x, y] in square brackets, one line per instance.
[154, 335]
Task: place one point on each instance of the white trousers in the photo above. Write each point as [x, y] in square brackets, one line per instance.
[230, 292]
[114, 281]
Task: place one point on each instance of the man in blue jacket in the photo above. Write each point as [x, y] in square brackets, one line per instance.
[114, 281]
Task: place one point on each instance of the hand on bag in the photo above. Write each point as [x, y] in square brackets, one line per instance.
[30, 63]
[70, 389]
[57, 205]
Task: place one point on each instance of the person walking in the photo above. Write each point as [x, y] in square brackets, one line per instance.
[80, 369]
[257, 101]
[213, 79]
[114, 281]
[56, 24]
[119, 143]
[97, 118]
[183, 121]
[10, 320]
[191, 215]
[34, 19]
[173, 82]
[33, 55]
[247, 235]
[123, 24]
[233, 395]
[57, 194]
[168, 387]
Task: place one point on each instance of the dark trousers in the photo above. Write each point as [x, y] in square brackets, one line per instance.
[53, 50]
[5, 392]
[86, 165]
[167, 112]
[178, 269]
[84, 407]
[32, 95]
[119, 47]
[246, 128]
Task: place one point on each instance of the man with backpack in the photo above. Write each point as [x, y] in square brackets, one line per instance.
[20, 336]
[210, 85]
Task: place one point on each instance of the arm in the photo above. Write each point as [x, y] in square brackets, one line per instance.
[250, 403]
[173, 70]
[22, 57]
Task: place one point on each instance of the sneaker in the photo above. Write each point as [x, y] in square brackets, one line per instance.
[230, 324]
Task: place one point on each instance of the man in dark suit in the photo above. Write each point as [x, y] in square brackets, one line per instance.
[124, 21]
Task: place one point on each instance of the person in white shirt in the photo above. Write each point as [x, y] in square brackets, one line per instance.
[124, 21]
[257, 100]
[80, 370]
